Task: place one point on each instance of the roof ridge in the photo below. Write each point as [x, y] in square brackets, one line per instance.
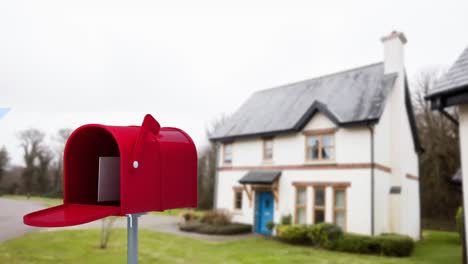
[323, 76]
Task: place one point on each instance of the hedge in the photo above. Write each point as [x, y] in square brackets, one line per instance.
[331, 237]
[229, 229]
[387, 245]
[294, 234]
[325, 235]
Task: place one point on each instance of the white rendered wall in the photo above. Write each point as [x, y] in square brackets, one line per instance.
[402, 157]
[352, 145]
[463, 119]
[381, 202]
[358, 204]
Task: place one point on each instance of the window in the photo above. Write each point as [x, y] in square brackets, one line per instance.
[339, 207]
[319, 205]
[320, 147]
[301, 209]
[268, 149]
[227, 153]
[238, 199]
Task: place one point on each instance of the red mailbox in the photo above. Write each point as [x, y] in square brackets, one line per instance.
[118, 170]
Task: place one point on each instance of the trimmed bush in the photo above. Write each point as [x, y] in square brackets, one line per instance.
[396, 245]
[286, 219]
[270, 225]
[387, 245]
[294, 234]
[216, 217]
[460, 222]
[189, 216]
[354, 243]
[325, 235]
[229, 229]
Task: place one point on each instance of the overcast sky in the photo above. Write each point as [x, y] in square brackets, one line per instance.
[67, 63]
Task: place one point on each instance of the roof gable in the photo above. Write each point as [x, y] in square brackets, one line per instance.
[456, 77]
[346, 98]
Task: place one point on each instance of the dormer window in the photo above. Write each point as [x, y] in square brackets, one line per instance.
[227, 153]
[268, 149]
[320, 146]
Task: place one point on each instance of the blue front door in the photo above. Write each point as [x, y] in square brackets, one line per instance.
[263, 212]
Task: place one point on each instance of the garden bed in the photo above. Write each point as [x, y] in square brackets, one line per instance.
[208, 229]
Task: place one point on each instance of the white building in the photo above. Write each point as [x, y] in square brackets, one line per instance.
[340, 148]
[452, 91]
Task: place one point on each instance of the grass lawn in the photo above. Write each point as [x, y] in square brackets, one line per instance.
[48, 202]
[81, 247]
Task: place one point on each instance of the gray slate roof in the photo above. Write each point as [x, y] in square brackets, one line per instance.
[260, 177]
[456, 77]
[352, 96]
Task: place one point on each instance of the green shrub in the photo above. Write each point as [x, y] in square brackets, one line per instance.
[295, 234]
[396, 245]
[270, 225]
[354, 243]
[216, 217]
[229, 229]
[387, 245]
[189, 216]
[286, 219]
[325, 235]
[460, 223]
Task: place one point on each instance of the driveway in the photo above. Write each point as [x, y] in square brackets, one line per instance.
[12, 211]
[11, 217]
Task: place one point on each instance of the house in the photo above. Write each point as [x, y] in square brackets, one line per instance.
[340, 148]
[452, 91]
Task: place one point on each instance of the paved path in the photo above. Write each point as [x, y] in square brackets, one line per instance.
[12, 211]
[11, 217]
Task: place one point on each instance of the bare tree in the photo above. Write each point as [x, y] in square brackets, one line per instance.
[439, 136]
[42, 171]
[4, 159]
[31, 141]
[207, 168]
[61, 139]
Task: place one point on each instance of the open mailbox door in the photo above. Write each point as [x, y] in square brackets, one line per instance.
[120, 170]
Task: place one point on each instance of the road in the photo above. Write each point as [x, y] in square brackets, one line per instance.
[12, 211]
[11, 217]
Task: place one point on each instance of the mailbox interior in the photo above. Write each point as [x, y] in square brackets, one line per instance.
[82, 155]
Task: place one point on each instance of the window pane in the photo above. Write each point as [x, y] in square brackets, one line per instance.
[319, 216]
[327, 153]
[228, 153]
[319, 196]
[340, 219]
[301, 216]
[268, 148]
[328, 141]
[339, 199]
[301, 197]
[238, 202]
[312, 148]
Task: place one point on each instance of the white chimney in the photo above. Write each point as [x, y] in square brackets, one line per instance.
[394, 52]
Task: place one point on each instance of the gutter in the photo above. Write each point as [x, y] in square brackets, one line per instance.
[372, 179]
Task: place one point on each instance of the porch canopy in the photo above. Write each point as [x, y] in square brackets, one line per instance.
[260, 177]
[261, 180]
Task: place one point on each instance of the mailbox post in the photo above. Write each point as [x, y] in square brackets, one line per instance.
[123, 171]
